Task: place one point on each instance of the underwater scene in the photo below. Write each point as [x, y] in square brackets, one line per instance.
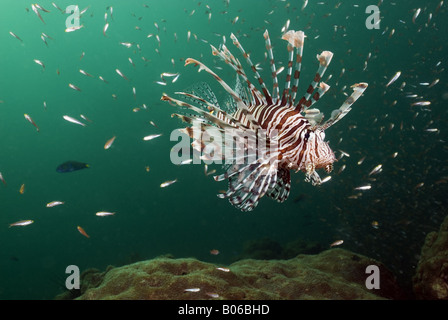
[118, 182]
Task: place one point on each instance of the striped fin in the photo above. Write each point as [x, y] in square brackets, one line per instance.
[241, 90]
[229, 103]
[285, 94]
[338, 114]
[275, 91]
[324, 60]
[250, 184]
[295, 39]
[280, 192]
[221, 114]
[208, 116]
[323, 88]
[203, 90]
[265, 90]
[239, 102]
[228, 58]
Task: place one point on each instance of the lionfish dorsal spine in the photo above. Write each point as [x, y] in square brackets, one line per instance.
[267, 96]
[323, 88]
[275, 90]
[240, 103]
[296, 40]
[324, 60]
[228, 58]
[338, 114]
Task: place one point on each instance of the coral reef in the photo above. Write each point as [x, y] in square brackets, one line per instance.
[332, 274]
[431, 278]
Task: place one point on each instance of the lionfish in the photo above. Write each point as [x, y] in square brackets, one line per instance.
[292, 133]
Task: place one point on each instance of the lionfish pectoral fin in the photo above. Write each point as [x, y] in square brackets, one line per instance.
[280, 191]
[248, 183]
[313, 177]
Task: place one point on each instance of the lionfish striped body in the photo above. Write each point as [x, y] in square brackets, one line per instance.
[290, 134]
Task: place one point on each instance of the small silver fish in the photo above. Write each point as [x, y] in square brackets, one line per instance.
[39, 63]
[366, 187]
[56, 6]
[73, 120]
[188, 161]
[126, 44]
[104, 214]
[54, 203]
[2, 179]
[71, 29]
[85, 118]
[152, 136]
[106, 26]
[377, 169]
[21, 223]
[41, 8]
[421, 103]
[167, 183]
[102, 79]
[175, 78]
[337, 243]
[74, 87]
[85, 73]
[394, 78]
[27, 117]
[417, 12]
[121, 74]
[15, 36]
[34, 8]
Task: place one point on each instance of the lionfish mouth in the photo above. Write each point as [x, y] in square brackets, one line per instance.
[272, 118]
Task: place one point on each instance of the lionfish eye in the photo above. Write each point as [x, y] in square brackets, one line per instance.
[307, 135]
[329, 168]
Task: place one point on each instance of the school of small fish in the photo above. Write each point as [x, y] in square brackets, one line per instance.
[396, 141]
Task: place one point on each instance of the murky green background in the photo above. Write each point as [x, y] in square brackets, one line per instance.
[186, 219]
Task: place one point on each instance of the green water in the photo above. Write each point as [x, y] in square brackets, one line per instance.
[186, 219]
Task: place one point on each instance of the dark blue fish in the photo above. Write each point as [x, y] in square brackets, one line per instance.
[70, 166]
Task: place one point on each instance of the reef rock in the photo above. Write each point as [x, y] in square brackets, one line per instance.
[431, 278]
[332, 274]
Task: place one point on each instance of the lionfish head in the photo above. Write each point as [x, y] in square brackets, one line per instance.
[321, 151]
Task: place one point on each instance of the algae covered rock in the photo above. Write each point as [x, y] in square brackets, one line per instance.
[431, 278]
[266, 248]
[332, 274]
